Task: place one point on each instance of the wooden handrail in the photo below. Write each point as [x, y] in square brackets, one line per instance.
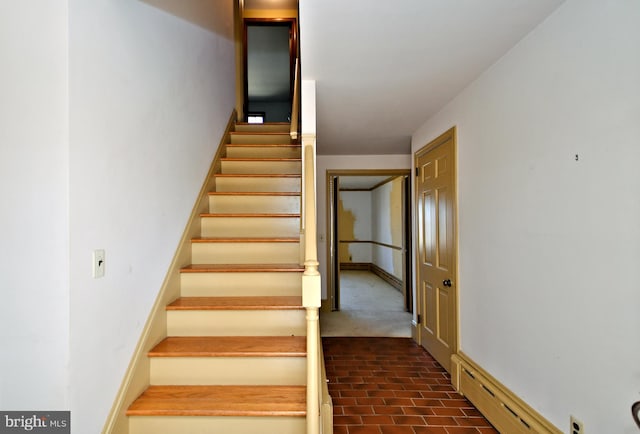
[295, 125]
[295, 104]
[293, 132]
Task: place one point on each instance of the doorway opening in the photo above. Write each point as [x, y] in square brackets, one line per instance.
[270, 51]
[369, 231]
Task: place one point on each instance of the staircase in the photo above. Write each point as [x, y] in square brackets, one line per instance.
[234, 359]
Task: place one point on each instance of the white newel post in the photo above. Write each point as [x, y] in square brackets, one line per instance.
[311, 297]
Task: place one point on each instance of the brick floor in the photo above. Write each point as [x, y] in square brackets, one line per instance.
[393, 386]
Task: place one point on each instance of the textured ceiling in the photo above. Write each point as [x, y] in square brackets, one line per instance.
[382, 68]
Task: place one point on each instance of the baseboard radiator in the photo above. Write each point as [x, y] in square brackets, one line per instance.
[508, 413]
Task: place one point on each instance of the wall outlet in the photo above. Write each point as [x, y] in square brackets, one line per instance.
[98, 264]
[576, 426]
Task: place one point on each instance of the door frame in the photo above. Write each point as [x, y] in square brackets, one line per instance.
[293, 51]
[333, 269]
[452, 134]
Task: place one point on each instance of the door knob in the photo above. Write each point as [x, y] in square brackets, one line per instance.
[447, 283]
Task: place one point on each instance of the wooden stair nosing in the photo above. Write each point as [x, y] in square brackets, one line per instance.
[220, 401]
[231, 346]
[289, 215]
[281, 302]
[246, 240]
[262, 160]
[254, 193]
[263, 123]
[264, 145]
[260, 133]
[258, 175]
[241, 268]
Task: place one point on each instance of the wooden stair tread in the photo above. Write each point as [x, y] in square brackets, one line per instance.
[246, 240]
[220, 401]
[241, 214]
[231, 346]
[262, 159]
[254, 193]
[260, 133]
[258, 175]
[241, 268]
[265, 145]
[263, 123]
[282, 302]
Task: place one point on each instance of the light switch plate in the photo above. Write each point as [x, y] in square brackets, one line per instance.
[98, 264]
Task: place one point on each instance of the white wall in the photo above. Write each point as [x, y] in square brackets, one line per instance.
[345, 162]
[34, 314]
[358, 204]
[150, 95]
[550, 246]
[387, 225]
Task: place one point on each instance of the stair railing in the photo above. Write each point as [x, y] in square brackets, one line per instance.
[317, 398]
[294, 132]
[295, 103]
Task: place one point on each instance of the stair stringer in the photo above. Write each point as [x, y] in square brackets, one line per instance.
[137, 376]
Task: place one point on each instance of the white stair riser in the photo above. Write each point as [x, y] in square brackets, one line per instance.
[261, 167]
[220, 424]
[258, 139]
[240, 284]
[250, 227]
[284, 371]
[259, 184]
[236, 323]
[245, 253]
[254, 204]
[263, 152]
[264, 128]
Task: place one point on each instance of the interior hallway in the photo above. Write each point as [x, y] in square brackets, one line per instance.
[369, 306]
[380, 380]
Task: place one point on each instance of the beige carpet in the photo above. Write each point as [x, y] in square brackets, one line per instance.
[369, 307]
